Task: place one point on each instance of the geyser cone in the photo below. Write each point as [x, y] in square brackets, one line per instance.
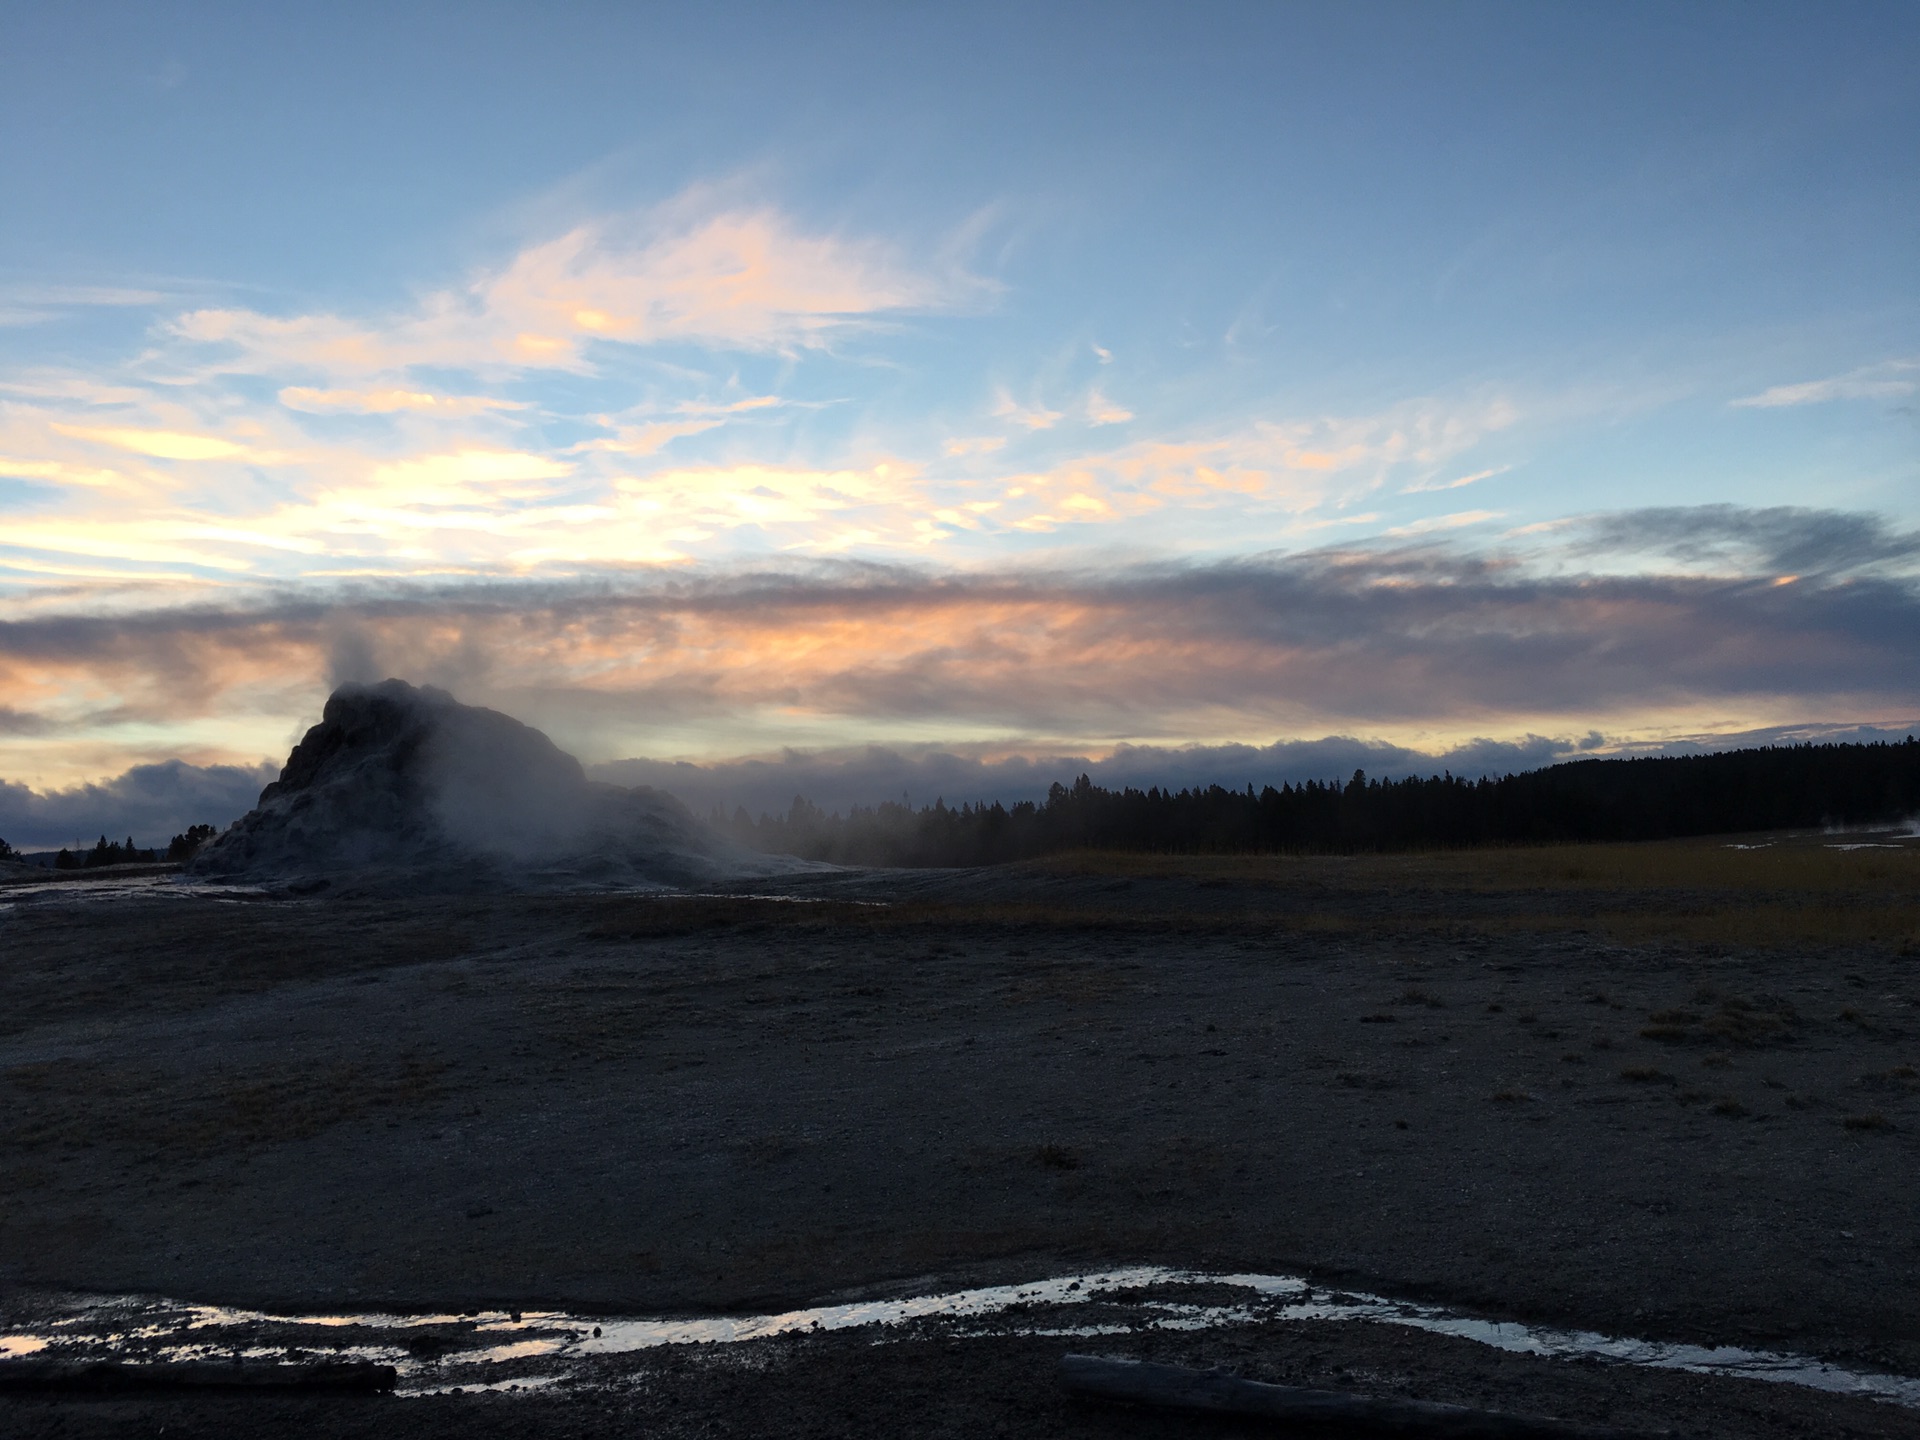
[409, 782]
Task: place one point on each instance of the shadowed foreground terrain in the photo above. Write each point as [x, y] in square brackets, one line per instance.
[1665, 1090]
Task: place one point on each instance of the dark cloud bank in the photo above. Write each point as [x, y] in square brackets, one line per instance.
[838, 780]
[1642, 613]
[151, 803]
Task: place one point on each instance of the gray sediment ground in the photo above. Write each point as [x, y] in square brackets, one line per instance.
[1637, 1090]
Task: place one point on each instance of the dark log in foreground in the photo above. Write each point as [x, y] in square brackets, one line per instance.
[1176, 1387]
[356, 1377]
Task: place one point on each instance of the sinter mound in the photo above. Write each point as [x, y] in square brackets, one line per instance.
[412, 785]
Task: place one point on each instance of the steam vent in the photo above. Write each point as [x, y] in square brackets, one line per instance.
[408, 785]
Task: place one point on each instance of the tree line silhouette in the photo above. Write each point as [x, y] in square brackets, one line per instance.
[1772, 788]
[107, 852]
[115, 852]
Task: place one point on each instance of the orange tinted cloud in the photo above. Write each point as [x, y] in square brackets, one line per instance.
[745, 279]
[161, 444]
[1417, 642]
[467, 486]
[1102, 411]
[1288, 469]
[742, 279]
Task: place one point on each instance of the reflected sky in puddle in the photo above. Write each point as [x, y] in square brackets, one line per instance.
[124, 887]
[447, 1352]
[182, 887]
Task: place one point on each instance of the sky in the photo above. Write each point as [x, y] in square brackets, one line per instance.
[876, 398]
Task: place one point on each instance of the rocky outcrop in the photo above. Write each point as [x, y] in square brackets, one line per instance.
[409, 784]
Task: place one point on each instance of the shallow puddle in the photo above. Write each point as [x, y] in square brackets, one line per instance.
[528, 1350]
[91, 889]
[123, 887]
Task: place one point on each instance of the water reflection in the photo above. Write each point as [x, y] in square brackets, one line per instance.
[123, 887]
[491, 1350]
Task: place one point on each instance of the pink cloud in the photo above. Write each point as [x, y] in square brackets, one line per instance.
[738, 280]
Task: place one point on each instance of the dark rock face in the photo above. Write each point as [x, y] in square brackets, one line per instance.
[412, 783]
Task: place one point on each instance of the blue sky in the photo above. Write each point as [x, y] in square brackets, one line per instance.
[705, 384]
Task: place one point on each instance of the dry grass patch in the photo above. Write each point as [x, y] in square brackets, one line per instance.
[75, 1103]
[627, 918]
[1768, 924]
[1797, 863]
[1794, 894]
[1688, 892]
[659, 917]
[168, 954]
[1071, 984]
[1900, 1080]
[1737, 1021]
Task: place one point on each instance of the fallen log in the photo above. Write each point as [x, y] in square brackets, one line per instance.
[357, 1377]
[1176, 1387]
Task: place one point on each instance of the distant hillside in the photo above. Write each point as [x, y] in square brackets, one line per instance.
[1780, 787]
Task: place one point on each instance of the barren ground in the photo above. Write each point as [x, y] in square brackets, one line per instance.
[1667, 1091]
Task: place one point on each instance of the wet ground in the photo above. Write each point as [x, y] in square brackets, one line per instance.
[429, 1355]
[932, 1384]
[1665, 1093]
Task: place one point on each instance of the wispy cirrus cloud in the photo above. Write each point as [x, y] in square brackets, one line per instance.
[964, 445]
[1430, 485]
[1028, 417]
[1890, 380]
[1290, 468]
[469, 434]
[745, 279]
[39, 304]
[209, 481]
[1102, 411]
[652, 434]
[316, 401]
[159, 444]
[1458, 520]
[882, 505]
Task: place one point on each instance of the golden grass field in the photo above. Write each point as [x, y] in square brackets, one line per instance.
[1754, 891]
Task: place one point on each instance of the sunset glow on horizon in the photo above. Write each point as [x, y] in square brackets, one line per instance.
[708, 387]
